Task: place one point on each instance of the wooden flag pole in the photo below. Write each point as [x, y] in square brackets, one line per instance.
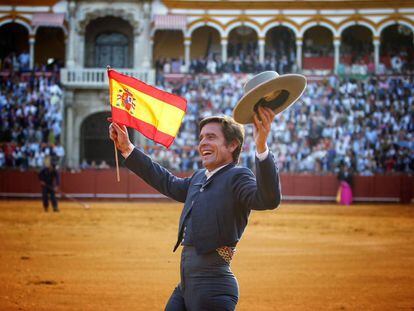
[116, 162]
[116, 151]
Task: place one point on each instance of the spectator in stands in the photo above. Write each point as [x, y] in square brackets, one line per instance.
[59, 153]
[103, 165]
[24, 61]
[8, 63]
[2, 158]
[396, 63]
[84, 165]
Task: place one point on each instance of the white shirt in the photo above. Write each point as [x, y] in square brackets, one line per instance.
[261, 156]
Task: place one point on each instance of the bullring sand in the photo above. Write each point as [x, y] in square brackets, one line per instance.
[118, 256]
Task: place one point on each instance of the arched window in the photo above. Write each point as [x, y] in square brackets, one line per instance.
[14, 41]
[356, 45]
[109, 41]
[280, 49]
[111, 49]
[397, 48]
[50, 46]
[95, 143]
[168, 48]
[242, 49]
[205, 42]
[318, 50]
[242, 41]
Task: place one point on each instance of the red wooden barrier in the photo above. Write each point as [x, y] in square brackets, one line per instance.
[107, 186]
[387, 186]
[304, 187]
[364, 186]
[80, 183]
[17, 182]
[329, 186]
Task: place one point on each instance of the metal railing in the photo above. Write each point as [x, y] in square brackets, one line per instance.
[98, 78]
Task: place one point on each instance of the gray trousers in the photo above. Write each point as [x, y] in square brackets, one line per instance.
[207, 284]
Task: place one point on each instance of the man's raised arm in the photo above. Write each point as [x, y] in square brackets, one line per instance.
[151, 172]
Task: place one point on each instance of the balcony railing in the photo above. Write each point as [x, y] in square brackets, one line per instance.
[98, 78]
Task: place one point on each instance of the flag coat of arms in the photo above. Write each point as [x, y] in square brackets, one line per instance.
[154, 113]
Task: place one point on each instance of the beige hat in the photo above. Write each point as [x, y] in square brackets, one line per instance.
[268, 89]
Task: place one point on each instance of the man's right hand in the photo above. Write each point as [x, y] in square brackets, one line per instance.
[119, 134]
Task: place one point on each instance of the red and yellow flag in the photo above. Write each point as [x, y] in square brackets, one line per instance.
[154, 113]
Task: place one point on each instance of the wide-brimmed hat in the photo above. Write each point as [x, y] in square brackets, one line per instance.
[268, 89]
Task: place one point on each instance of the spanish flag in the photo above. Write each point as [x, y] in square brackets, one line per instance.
[154, 113]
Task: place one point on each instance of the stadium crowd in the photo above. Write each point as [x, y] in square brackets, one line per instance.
[365, 125]
[31, 108]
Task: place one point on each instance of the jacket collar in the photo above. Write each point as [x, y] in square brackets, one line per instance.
[210, 174]
[222, 170]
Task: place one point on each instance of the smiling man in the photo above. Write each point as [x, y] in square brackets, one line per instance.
[217, 203]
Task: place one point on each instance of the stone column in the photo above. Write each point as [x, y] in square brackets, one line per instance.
[66, 41]
[151, 51]
[76, 141]
[299, 44]
[70, 45]
[32, 42]
[261, 43]
[146, 34]
[137, 50]
[337, 45]
[68, 120]
[142, 59]
[377, 44]
[141, 38]
[140, 46]
[81, 49]
[224, 50]
[187, 45]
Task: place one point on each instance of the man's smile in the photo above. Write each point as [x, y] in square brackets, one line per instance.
[205, 153]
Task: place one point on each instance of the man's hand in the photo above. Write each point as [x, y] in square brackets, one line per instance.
[262, 121]
[119, 134]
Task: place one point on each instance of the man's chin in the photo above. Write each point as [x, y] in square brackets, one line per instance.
[206, 165]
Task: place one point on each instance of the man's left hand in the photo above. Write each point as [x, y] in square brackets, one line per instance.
[262, 121]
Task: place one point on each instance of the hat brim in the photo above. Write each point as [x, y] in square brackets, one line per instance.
[291, 86]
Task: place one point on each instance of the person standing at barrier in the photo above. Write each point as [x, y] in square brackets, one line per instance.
[49, 181]
[219, 198]
[345, 179]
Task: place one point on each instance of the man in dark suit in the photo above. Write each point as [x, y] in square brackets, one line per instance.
[49, 180]
[217, 203]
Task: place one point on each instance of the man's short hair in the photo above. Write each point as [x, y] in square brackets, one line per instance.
[231, 131]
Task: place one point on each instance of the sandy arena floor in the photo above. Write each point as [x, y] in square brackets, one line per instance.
[118, 256]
